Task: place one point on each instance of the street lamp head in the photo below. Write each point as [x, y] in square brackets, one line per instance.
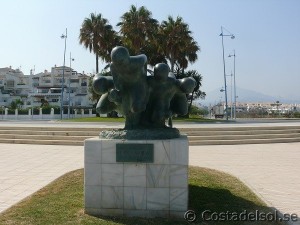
[232, 36]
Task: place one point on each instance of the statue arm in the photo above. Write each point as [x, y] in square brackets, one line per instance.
[187, 85]
[102, 84]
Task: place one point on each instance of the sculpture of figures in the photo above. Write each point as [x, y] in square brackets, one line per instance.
[167, 96]
[130, 80]
[145, 101]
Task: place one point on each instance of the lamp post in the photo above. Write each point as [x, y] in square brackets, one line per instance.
[31, 108]
[63, 36]
[232, 37]
[234, 84]
[230, 95]
[69, 100]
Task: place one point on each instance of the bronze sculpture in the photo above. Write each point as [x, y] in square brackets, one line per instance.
[145, 101]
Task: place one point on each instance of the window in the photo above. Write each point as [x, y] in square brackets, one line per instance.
[10, 83]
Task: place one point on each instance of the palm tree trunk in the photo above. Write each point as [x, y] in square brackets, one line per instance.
[172, 65]
[97, 63]
[190, 106]
[172, 61]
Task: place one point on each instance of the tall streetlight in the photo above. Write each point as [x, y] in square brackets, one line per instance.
[231, 113]
[63, 36]
[234, 85]
[71, 59]
[232, 37]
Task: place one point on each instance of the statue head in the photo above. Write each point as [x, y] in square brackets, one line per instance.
[120, 55]
[161, 71]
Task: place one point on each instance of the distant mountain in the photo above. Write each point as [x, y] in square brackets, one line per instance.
[244, 95]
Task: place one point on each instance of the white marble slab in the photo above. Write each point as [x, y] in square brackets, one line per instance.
[163, 155]
[109, 152]
[158, 198]
[178, 151]
[134, 198]
[112, 197]
[158, 176]
[135, 175]
[92, 174]
[92, 196]
[93, 151]
[178, 198]
[112, 174]
[178, 176]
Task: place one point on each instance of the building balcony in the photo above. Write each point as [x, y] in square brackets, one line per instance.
[48, 94]
[73, 85]
[22, 86]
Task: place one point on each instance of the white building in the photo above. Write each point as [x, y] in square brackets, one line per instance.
[32, 89]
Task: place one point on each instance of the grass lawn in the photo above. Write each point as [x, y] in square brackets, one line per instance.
[61, 202]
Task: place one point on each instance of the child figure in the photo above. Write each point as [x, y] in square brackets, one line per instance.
[167, 96]
[130, 80]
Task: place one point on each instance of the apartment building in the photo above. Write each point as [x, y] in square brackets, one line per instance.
[35, 89]
[276, 107]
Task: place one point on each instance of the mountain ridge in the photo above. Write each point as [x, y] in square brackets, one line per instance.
[244, 95]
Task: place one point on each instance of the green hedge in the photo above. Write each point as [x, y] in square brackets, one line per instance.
[297, 114]
[23, 111]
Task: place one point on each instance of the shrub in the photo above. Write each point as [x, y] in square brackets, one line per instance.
[198, 111]
[297, 114]
[23, 111]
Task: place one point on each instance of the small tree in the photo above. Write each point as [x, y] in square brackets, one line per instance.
[16, 104]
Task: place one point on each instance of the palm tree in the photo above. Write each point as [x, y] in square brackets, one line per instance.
[138, 30]
[98, 36]
[176, 43]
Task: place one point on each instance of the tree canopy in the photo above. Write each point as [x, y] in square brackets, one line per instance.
[170, 41]
[98, 36]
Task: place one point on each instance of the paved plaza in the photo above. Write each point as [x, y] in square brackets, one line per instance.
[24, 169]
[271, 170]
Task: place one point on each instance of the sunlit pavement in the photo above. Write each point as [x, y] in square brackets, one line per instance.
[271, 170]
[24, 169]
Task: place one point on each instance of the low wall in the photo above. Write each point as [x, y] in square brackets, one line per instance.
[51, 116]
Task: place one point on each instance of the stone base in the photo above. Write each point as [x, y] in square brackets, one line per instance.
[158, 189]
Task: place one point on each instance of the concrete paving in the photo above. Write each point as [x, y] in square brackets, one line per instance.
[270, 170]
[24, 169]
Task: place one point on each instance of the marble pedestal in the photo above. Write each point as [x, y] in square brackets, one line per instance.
[158, 189]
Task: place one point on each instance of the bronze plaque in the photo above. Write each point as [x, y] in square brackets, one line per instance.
[141, 153]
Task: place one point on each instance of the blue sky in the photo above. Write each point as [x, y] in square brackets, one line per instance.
[267, 42]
